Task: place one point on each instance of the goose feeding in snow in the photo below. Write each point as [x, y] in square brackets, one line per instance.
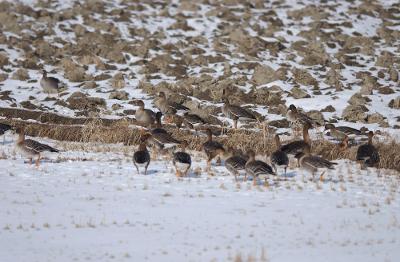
[234, 163]
[235, 112]
[313, 163]
[50, 85]
[3, 129]
[257, 168]
[182, 161]
[367, 154]
[212, 148]
[279, 158]
[31, 148]
[141, 158]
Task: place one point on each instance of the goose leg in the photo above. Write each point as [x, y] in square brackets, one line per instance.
[186, 171]
[30, 161]
[321, 177]
[38, 161]
[235, 124]
[145, 169]
[254, 181]
[137, 168]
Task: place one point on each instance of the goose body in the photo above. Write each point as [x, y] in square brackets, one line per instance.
[313, 163]
[31, 148]
[144, 116]
[141, 158]
[298, 146]
[212, 148]
[367, 153]
[257, 168]
[50, 85]
[340, 132]
[192, 120]
[158, 128]
[279, 158]
[182, 161]
[235, 112]
[235, 163]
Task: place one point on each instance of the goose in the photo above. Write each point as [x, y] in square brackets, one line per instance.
[297, 118]
[235, 112]
[192, 121]
[367, 154]
[234, 163]
[182, 161]
[279, 158]
[50, 85]
[344, 144]
[31, 148]
[3, 129]
[166, 106]
[257, 168]
[313, 163]
[141, 158]
[212, 148]
[144, 116]
[340, 132]
[298, 146]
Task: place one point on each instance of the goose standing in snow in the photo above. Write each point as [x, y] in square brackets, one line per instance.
[235, 112]
[367, 154]
[31, 148]
[3, 129]
[212, 148]
[160, 141]
[235, 163]
[257, 168]
[313, 163]
[279, 158]
[166, 106]
[144, 116]
[182, 161]
[141, 158]
[50, 85]
[340, 132]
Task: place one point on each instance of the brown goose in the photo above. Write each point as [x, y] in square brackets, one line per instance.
[313, 163]
[50, 85]
[141, 158]
[297, 118]
[166, 106]
[257, 168]
[367, 154]
[3, 129]
[144, 116]
[31, 148]
[298, 146]
[235, 112]
[182, 161]
[235, 163]
[279, 158]
[344, 144]
[340, 132]
[212, 148]
[160, 141]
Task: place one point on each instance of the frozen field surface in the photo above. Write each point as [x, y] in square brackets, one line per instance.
[99, 209]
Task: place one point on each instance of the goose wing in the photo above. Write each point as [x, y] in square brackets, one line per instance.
[258, 167]
[368, 152]
[279, 158]
[38, 147]
[318, 162]
[348, 130]
[235, 163]
[233, 111]
[193, 119]
[165, 138]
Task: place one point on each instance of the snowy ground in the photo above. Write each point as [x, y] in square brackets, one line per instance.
[101, 210]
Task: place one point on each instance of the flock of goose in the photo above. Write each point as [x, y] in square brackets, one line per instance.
[156, 137]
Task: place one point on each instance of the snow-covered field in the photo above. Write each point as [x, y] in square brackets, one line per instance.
[88, 204]
[101, 210]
